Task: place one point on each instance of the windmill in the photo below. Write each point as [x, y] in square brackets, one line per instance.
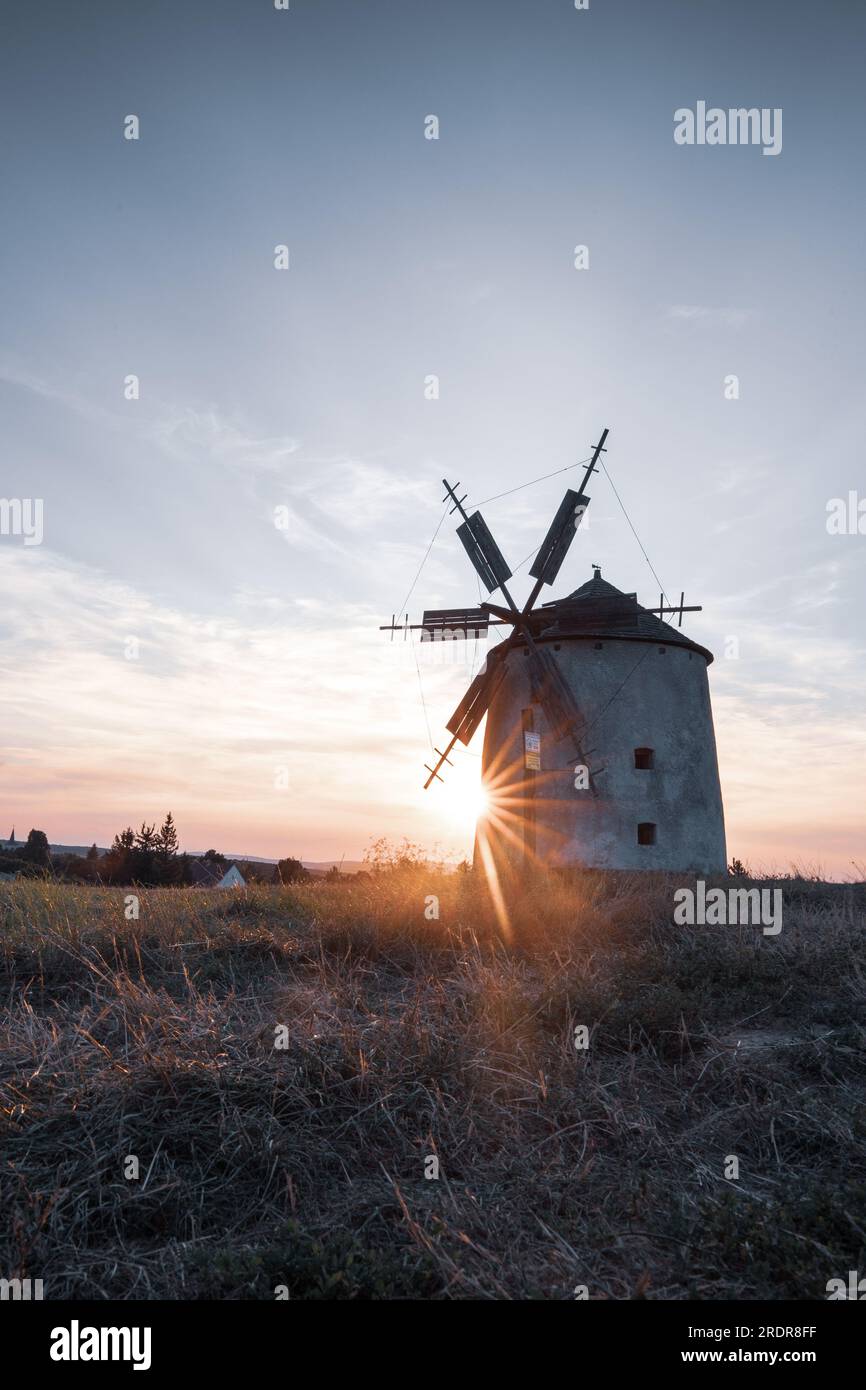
[568, 676]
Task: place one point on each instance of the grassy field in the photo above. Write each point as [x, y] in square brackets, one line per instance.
[409, 1039]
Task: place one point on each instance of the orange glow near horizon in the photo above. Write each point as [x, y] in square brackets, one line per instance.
[262, 740]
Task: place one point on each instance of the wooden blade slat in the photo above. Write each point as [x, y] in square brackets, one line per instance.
[554, 547]
[474, 705]
[441, 624]
[484, 553]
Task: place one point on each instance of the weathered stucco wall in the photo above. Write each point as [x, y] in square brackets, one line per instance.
[633, 695]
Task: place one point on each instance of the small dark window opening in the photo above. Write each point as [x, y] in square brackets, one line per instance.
[644, 758]
[598, 646]
[646, 833]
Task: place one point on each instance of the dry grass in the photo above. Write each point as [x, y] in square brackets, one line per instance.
[409, 1038]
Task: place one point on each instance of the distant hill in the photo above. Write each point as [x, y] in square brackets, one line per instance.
[346, 866]
[55, 849]
[349, 866]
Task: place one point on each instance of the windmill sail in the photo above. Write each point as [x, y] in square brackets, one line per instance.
[473, 707]
[483, 551]
[554, 547]
[442, 624]
[549, 686]
[555, 696]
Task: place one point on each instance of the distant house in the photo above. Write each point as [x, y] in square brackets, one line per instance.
[206, 874]
[233, 879]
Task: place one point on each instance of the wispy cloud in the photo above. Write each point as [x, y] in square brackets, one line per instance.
[703, 313]
[358, 495]
[206, 714]
[59, 393]
[223, 440]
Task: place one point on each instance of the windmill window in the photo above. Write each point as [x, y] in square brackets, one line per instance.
[598, 646]
[662, 650]
[644, 759]
[646, 832]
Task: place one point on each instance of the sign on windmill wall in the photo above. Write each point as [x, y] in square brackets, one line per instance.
[531, 751]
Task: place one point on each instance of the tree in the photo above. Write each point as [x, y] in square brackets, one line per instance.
[92, 853]
[290, 871]
[166, 851]
[146, 839]
[76, 869]
[36, 850]
[117, 865]
[144, 865]
[167, 838]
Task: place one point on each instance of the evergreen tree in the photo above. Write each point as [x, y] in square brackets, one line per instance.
[117, 864]
[146, 839]
[166, 851]
[144, 858]
[168, 837]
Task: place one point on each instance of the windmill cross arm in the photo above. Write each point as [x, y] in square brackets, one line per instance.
[505, 614]
[443, 758]
[425, 627]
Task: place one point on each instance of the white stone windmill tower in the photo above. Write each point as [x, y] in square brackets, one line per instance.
[599, 748]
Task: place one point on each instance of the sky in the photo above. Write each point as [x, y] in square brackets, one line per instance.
[198, 629]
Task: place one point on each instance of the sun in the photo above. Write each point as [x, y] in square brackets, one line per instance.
[462, 798]
[477, 801]
[468, 800]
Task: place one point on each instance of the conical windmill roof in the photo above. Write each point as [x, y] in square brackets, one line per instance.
[599, 609]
